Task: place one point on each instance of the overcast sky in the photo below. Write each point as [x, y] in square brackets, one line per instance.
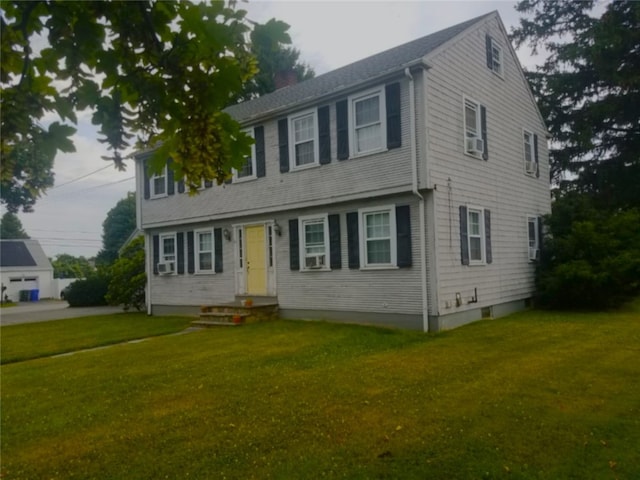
[68, 219]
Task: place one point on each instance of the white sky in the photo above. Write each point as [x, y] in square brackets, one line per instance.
[329, 34]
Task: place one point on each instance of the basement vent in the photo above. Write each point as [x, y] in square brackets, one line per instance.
[486, 312]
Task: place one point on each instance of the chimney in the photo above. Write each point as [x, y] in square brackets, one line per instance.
[285, 78]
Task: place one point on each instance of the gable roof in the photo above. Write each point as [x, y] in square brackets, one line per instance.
[374, 66]
[23, 253]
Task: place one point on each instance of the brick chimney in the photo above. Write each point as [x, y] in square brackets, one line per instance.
[285, 78]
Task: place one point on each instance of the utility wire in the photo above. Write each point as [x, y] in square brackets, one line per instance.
[69, 194]
[79, 178]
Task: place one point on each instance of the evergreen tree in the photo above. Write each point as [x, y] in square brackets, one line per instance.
[116, 229]
[11, 227]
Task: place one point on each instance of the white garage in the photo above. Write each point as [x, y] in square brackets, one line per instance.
[25, 267]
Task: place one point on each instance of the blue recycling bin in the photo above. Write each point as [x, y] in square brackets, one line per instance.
[35, 293]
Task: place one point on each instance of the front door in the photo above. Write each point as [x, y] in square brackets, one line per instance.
[256, 269]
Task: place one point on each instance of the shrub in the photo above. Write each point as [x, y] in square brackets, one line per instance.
[128, 279]
[89, 292]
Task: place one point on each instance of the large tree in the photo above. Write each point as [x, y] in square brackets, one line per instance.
[116, 229]
[589, 91]
[11, 227]
[160, 70]
[68, 266]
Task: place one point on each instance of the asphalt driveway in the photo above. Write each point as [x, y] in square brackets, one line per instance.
[45, 310]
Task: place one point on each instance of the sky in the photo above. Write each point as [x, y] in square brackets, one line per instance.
[329, 34]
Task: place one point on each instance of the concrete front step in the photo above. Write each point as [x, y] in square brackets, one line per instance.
[210, 319]
[236, 314]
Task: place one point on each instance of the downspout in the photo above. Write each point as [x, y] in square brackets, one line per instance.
[421, 205]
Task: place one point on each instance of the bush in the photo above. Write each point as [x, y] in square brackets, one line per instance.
[89, 292]
[591, 261]
[128, 278]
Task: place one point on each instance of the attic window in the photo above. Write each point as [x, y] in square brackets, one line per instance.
[494, 55]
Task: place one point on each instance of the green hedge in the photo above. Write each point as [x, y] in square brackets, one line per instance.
[89, 292]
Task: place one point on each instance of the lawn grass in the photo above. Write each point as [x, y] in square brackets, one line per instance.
[537, 395]
[29, 341]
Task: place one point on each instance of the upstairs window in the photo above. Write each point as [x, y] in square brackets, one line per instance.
[159, 184]
[304, 139]
[368, 123]
[494, 55]
[248, 171]
[475, 129]
[530, 148]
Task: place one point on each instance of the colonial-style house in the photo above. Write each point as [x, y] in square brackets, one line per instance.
[405, 189]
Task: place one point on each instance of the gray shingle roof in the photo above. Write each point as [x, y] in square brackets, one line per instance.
[353, 74]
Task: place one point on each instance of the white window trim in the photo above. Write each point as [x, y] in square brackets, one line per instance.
[196, 250]
[483, 236]
[292, 144]
[364, 265]
[531, 151]
[254, 175]
[302, 236]
[152, 184]
[161, 256]
[478, 106]
[380, 92]
[530, 254]
[498, 47]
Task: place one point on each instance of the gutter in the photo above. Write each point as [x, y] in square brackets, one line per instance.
[421, 206]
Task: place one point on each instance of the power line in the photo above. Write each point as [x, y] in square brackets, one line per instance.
[69, 194]
[79, 178]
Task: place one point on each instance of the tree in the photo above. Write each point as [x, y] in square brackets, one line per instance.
[160, 70]
[588, 89]
[268, 45]
[128, 278]
[116, 229]
[11, 227]
[68, 266]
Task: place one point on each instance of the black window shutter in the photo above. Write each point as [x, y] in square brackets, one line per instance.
[403, 235]
[342, 129]
[156, 253]
[394, 132]
[208, 184]
[535, 154]
[283, 144]
[181, 185]
[334, 241]
[353, 240]
[487, 235]
[217, 246]
[180, 249]
[540, 227]
[147, 186]
[258, 135]
[294, 245]
[324, 135]
[483, 128]
[171, 186]
[191, 267]
[489, 52]
[464, 240]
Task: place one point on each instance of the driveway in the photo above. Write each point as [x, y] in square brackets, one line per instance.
[45, 310]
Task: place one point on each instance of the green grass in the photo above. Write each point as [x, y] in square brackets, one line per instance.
[537, 395]
[7, 304]
[29, 341]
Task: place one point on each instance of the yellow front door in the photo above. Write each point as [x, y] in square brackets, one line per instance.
[256, 264]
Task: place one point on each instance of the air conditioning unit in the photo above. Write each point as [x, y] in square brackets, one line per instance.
[316, 261]
[475, 146]
[534, 253]
[165, 268]
[531, 167]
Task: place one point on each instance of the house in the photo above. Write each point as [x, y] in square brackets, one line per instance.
[25, 267]
[404, 189]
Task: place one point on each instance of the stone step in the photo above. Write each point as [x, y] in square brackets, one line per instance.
[214, 323]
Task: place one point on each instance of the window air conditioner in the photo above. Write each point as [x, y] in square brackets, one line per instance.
[531, 166]
[316, 261]
[165, 268]
[475, 146]
[534, 253]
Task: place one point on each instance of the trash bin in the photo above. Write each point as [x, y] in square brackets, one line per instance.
[35, 293]
[24, 295]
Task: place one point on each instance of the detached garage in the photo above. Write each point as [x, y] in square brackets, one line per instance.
[25, 267]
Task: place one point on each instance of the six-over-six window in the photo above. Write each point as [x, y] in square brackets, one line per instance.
[314, 242]
[304, 139]
[368, 125]
[204, 251]
[378, 239]
[248, 170]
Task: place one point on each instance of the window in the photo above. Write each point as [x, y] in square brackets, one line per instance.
[315, 243]
[533, 223]
[476, 235]
[378, 239]
[204, 251]
[496, 57]
[474, 143]
[368, 122]
[530, 160]
[168, 251]
[159, 184]
[248, 171]
[304, 143]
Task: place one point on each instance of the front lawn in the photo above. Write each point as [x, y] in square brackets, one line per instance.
[533, 396]
[28, 341]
